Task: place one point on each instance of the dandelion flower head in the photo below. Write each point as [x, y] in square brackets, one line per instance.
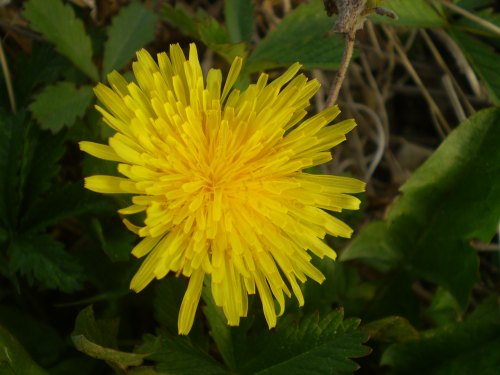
[219, 174]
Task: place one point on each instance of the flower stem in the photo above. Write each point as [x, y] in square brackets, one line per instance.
[344, 64]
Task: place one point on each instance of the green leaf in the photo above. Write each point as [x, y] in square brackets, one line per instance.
[116, 241]
[169, 293]
[391, 329]
[239, 20]
[122, 359]
[60, 105]
[43, 259]
[182, 19]
[41, 65]
[204, 28]
[101, 331]
[40, 163]
[13, 358]
[98, 339]
[176, 355]
[469, 347]
[311, 346]
[444, 309]
[131, 29]
[484, 60]
[374, 246]
[30, 332]
[231, 341]
[12, 135]
[300, 37]
[58, 24]
[62, 202]
[412, 13]
[449, 200]
[473, 4]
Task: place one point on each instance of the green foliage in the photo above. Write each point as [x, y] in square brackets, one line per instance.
[469, 347]
[484, 59]
[313, 345]
[130, 30]
[43, 259]
[204, 28]
[60, 105]
[97, 338]
[239, 20]
[302, 36]
[59, 25]
[391, 329]
[179, 356]
[31, 201]
[13, 358]
[63, 248]
[413, 13]
[447, 202]
[230, 341]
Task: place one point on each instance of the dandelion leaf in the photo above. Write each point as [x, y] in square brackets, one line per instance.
[449, 201]
[469, 347]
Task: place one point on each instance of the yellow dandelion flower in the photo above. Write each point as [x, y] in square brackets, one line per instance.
[219, 173]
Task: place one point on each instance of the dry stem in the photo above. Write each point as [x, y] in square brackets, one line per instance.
[344, 64]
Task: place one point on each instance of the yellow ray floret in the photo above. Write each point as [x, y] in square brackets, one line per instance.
[220, 176]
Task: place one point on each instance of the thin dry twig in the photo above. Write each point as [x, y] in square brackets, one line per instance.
[8, 80]
[344, 64]
[452, 94]
[381, 139]
[439, 59]
[480, 21]
[411, 70]
[461, 61]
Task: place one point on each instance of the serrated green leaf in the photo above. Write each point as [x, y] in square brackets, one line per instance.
[412, 13]
[58, 24]
[43, 259]
[484, 60]
[131, 29]
[448, 201]
[175, 355]
[469, 347]
[13, 358]
[311, 346]
[238, 16]
[42, 65]
[60, 105]
[300, 37]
